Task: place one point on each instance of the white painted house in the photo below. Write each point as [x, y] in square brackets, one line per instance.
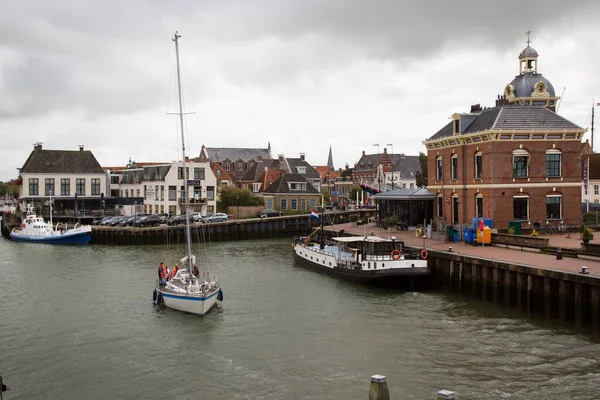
[160, 187]
[66, 176]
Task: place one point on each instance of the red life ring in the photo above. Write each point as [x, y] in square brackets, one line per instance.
[23, 226]
[396, 254]
[423, 254]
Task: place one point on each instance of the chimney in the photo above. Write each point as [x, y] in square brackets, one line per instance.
[475, 108]
[363, 153]
[501, 101]
[80, 147]
[37, 146]
[280, 156]
[385, 150]
[402, 155]
[302, 156]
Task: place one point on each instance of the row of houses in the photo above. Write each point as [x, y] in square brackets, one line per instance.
[76, 180]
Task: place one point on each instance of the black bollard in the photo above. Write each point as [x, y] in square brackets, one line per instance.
[558, 254]
[3, 387]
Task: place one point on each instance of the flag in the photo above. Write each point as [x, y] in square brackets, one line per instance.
[314, 215]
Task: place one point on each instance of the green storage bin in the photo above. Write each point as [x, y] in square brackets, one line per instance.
[516, 225]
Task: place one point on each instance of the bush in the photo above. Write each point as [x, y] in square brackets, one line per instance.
[390, 222]
[586, 233]
[511, 231]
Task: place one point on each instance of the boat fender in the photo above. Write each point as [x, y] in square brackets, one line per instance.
[159, 299]
[220, 295]
[154, 295]
[423, 254]
[23, 226]
[396, 254]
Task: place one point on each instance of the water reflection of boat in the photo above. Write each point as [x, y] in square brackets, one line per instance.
[368, 259]
[35, 229]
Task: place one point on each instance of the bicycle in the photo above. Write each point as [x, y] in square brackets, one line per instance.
[562, 228]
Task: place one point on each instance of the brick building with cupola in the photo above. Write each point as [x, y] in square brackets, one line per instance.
[517, 161]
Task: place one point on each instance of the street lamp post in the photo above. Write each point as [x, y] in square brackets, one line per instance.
[237, 201]
[134, 213]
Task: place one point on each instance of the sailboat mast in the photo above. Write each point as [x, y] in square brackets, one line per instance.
[176, 37]
[593, 104]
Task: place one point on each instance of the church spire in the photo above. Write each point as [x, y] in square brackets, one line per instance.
[330, 160]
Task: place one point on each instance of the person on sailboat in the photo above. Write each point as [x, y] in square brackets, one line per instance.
[175, 269]
[195, 271]
[161, 274]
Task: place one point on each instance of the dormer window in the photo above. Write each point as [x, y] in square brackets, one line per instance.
[301, 170]
[457, 126]
[297, 186]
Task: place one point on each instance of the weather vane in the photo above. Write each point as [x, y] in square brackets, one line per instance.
[528, 33]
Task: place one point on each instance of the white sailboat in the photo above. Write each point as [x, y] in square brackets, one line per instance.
[189, 290]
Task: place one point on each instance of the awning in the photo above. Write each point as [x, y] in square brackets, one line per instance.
[405, 194]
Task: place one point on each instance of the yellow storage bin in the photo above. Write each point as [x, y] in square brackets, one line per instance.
[484, 237]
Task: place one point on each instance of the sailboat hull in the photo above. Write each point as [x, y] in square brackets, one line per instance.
[198, 305]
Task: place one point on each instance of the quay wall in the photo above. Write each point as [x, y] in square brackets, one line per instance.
[242, 229]
[572, 298]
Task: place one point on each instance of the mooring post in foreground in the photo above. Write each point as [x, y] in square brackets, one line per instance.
[445, 394]
[378, 389]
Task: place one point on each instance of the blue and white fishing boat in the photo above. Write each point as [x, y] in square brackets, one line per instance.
[190, 290]
[35, 229]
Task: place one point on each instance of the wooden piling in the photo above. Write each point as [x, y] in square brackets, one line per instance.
[378, 389]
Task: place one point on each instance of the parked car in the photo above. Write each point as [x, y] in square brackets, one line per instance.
[163, 217]
[101, 221]
[126, 221]
[115, 221]
[195, 216]
[269, 212]
[216, 217]
[149, 220]
[176, 220]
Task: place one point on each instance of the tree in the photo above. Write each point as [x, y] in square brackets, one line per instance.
[422, 174]
[234, 196]
[353, 191]
[9, 189]
[326, 197]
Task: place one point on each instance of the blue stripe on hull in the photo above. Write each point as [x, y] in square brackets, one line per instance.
[78, 238]
[174, 296]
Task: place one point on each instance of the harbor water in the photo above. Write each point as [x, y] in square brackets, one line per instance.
[79, 323]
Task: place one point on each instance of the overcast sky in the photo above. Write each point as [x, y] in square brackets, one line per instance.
[303, 75]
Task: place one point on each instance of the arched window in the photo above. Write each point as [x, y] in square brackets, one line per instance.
[479, 205]
[454, 167]
[521, 206]
[553, 163]
[520, 163]
[554, 206]
[439, 168]
[440, 206]
[478, 165]
[455, 203]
